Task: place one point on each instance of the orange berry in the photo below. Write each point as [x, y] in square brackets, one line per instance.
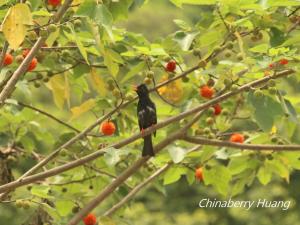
[171, 66]
[32, 64]
[54, 2]
[8, 59]
[199, 174]
[218, 109]
[238, 138]
[90, 219]
[108, 128]
[206, 91]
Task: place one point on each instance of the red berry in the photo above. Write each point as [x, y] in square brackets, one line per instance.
[271, 65]
[25, 52]
[90, 219]
[218, 109]
[283, 61]
[32, 64]
[206, 91]
[238, 138]
[54, 2]
[171, 66]
[108, 128]
[8, 59]
[199, 174]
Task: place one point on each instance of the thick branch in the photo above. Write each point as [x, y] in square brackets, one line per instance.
[255, 147]
[136, 189]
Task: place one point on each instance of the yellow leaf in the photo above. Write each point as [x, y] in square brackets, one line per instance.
[76, 4]
[98, 83]
[57, 86]
[172, 91]
[84, 107]
[14, 25]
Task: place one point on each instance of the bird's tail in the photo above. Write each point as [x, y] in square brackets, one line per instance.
[148, 147]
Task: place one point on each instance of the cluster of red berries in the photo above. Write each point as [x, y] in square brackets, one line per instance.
[8, 59]
[281, 62]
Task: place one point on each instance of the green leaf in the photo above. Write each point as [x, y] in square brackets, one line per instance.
[119, 10]
[177, 154]
[266, 110]
[64, 207]
[112, 66]
[186, 40]
[240, 164]
[40, 191]
[262, 48]
[277, 37]
[264, 175]
[173, 174]
[134, 71]
[79, 44]
[103, 15]
[219, 177]
[112, 156]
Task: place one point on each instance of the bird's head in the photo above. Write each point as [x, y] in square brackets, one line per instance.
[141, 90]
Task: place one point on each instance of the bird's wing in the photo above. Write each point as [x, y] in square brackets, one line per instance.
[141, 118]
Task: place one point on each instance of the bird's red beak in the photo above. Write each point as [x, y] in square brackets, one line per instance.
[134, 87]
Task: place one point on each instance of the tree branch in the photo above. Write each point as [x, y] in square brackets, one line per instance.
[143, 184]
[48, 115]
[255, 147]
[136, 189]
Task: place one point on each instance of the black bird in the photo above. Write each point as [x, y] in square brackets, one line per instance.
[146, 112]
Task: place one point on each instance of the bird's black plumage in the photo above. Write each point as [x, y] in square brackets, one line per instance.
[146, 112]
